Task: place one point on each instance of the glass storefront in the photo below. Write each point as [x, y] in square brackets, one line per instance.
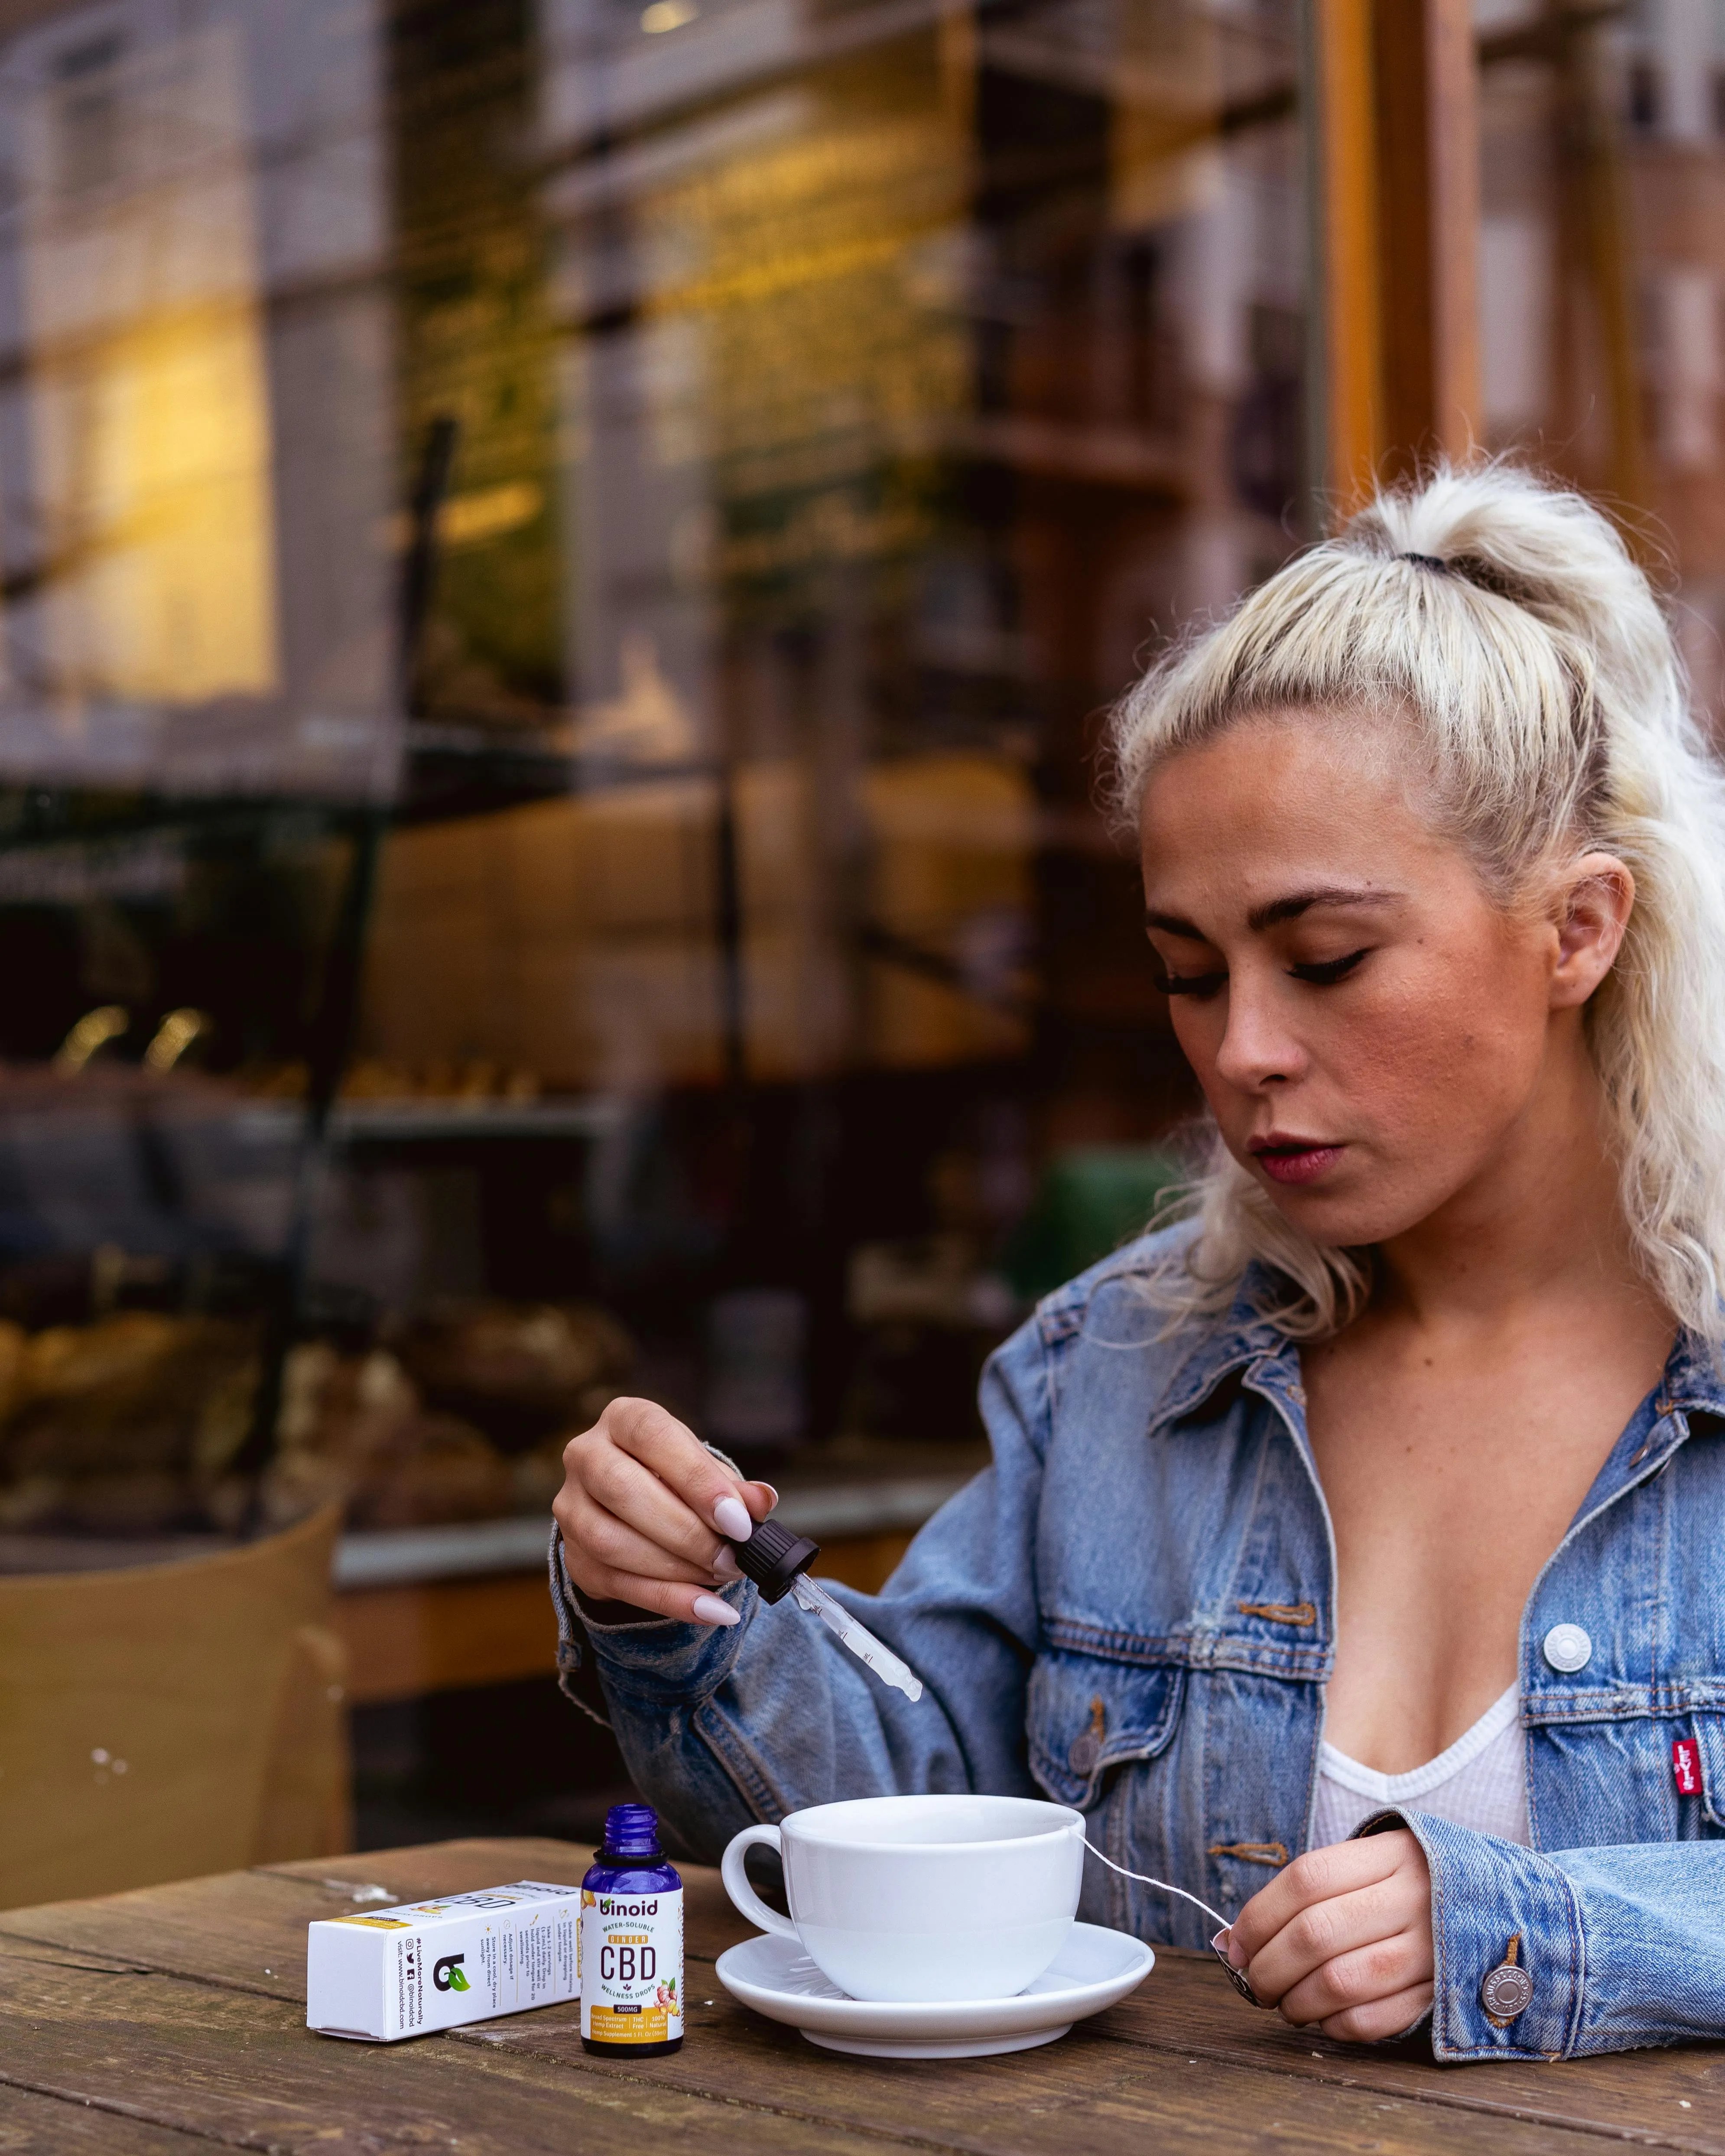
[563, 564]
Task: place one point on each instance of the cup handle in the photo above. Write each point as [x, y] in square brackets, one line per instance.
[736, 1883]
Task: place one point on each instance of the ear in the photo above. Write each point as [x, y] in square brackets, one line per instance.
[1593, 899]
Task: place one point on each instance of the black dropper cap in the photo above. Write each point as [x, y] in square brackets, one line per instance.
[773, 1557]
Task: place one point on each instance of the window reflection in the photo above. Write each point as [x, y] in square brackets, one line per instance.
[696, 474]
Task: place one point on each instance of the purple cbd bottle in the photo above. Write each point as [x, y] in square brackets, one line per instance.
[631, 1945]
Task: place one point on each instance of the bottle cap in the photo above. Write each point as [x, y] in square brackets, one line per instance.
[773, 1557]
[631, 1830]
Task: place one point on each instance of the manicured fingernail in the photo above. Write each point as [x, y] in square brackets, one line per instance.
[710, 1610]
[730, 1517]
[770, 1492]
[1236, 1953]
[726, 1566]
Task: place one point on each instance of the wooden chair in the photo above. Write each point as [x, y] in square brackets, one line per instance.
[170, 1719]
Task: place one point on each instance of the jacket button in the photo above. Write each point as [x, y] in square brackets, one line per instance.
[1506, 1991]
[1568, 1648]
[1083, 1754]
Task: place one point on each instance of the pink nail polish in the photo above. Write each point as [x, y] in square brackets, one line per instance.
[730, 1517]
[726, 1566]
[771, 1493]
[710, 1610]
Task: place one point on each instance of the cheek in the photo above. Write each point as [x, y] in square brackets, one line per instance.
[1445, 1051]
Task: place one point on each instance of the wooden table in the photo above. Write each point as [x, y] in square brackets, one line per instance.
[152, 2023]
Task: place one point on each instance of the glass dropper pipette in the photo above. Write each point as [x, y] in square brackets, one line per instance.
[777, 1561]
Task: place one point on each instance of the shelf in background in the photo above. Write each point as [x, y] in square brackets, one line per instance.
[395, 1122]
[425, 1610]
[404, 1556]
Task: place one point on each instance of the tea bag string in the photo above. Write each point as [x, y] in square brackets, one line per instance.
[1144, 1879]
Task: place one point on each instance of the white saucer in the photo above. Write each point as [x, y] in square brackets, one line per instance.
[1092, 1970]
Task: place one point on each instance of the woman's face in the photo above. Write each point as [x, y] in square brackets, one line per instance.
[1370, 1029]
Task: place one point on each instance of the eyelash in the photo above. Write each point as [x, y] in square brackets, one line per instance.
[1324, 976]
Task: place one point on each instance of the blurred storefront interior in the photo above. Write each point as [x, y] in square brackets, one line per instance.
[560, 565]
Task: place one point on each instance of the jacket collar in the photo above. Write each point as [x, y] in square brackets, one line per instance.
[1693, 1381]
[1243, 1338]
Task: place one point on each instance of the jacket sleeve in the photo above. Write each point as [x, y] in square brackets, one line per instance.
[1624, 1946]
[720, 1727]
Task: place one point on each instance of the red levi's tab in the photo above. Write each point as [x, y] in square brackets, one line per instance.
[1685, 1766]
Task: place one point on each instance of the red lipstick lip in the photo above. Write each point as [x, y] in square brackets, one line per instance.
[1290, 1160]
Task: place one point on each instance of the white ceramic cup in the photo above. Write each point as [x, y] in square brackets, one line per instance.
[923, 1897]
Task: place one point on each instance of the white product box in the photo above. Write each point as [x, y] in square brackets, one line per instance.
[396, 1973]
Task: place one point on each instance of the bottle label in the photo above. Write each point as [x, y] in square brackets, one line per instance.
[631, 1966]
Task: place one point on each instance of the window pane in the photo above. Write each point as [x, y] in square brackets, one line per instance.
[673, 490]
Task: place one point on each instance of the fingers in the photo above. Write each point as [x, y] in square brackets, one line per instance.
[1383, 2018]
[1318, 1876]
[670, 1451]
[1343, 1937]
[1325, 1933]
[661, 1597]
[645, 1511]
[602, 1538]
[616, 1483]
[1359, 1981]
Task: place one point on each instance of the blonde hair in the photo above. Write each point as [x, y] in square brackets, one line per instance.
[1503, 618]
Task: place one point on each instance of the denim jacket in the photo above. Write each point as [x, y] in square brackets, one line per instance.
[1132, 1611]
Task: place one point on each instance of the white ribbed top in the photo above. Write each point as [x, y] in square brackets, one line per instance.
[1480, 1781]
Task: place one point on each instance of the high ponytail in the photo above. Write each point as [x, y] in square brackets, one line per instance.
[1504, 618]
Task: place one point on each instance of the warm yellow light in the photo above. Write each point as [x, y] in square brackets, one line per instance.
[155, 446]
[668, 15]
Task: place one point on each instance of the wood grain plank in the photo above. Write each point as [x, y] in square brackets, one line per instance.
[245, 2071]
[32, 2125]
[248, 1928]
[245, 1931]
[447, 1867]
[1087, 2091]
[1188, 2006]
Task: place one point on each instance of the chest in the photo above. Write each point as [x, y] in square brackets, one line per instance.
[1187, 1597]
[1450, 1482]
[1205, 1544]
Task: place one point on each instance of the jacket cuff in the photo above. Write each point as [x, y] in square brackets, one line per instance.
[1496, 1905]
[655, 1660]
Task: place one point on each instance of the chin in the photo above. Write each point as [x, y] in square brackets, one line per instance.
[1348, 1219]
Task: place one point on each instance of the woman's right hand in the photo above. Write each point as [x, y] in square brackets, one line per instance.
[647, 1515]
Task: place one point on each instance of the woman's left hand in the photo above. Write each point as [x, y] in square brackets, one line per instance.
[1342, 1936]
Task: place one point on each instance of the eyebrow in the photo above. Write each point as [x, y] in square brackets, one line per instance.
[1277, 910]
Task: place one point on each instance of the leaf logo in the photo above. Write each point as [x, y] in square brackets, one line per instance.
[446, 1973]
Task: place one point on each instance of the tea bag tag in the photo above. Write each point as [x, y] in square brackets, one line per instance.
[1237, 1977]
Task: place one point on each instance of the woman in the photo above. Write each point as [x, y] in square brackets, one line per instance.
[1353, 1554]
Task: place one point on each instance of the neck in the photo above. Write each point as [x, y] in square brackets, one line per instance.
[1541, 1223]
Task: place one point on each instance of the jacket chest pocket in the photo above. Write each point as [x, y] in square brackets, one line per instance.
[1087, 1714]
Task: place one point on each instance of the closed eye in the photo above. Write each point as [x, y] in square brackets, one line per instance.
[1193, 984]
[1331, 971]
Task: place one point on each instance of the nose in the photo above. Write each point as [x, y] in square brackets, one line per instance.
[1260, 1047]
